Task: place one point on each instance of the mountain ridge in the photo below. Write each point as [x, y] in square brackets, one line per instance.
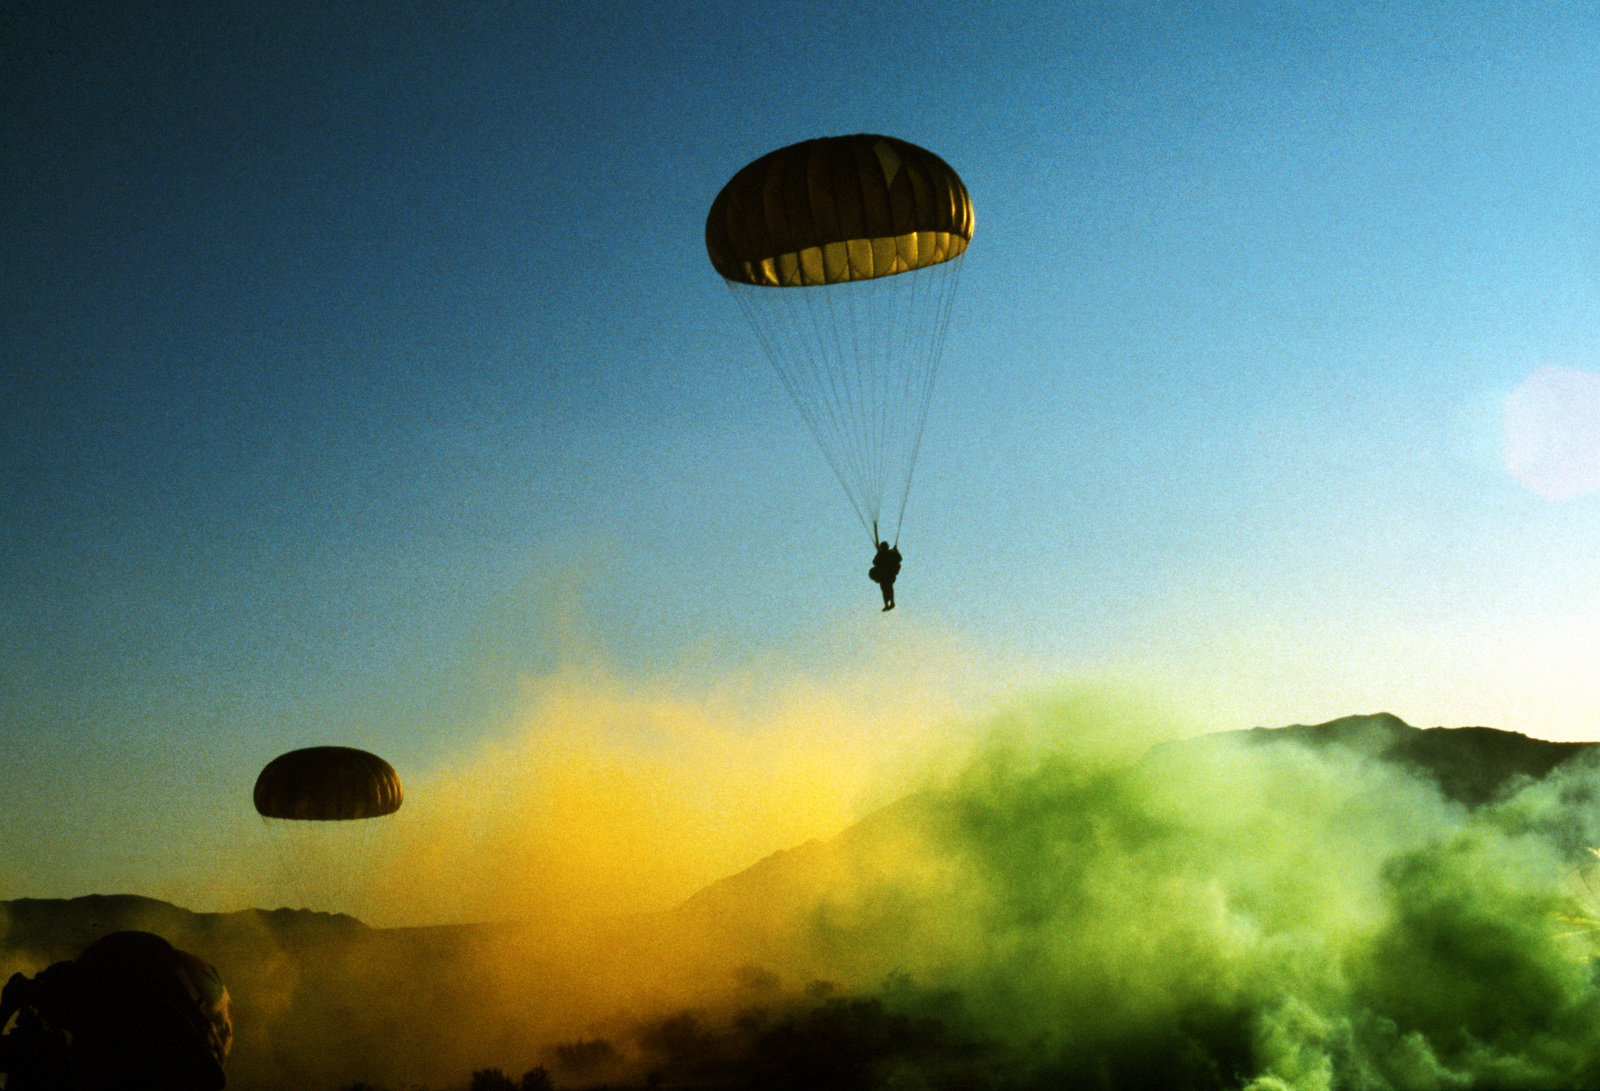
[1470, 765]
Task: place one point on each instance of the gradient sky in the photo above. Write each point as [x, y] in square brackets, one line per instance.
[365, 381]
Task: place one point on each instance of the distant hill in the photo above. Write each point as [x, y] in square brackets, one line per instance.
[1471, 765]
[58, 928]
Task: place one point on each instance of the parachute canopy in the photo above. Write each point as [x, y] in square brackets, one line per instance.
[328, 783]
[865, 234]
[838, 209]
[139, 1005]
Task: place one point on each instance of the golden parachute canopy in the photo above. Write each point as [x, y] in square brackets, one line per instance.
[328, 783]
[870, 232]
[838, 209]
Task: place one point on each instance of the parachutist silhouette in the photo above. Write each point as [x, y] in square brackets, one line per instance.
[36, 1054]
[885, 567]
[132, 1013]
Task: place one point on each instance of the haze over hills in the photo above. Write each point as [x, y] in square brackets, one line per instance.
[1469, 765]
[1359, 896]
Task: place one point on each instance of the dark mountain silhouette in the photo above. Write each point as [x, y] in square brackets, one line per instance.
[1471, 765]
[55, 928]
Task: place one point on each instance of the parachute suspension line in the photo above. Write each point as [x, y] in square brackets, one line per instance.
[845, 382]
[851, 442]
[861, 410]
[778, 325]
[839, 377]
[889, 351]
[894, 362]
[942, 287]
[859, 361]
[875, 314]
[869, 368]
[909, 351]
[898, 379]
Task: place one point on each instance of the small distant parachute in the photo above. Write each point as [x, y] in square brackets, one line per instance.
[843, 253]
[328, 784]
[308, 801]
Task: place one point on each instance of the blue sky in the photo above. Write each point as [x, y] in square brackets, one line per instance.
[363, 367]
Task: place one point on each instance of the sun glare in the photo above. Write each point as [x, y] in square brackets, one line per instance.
[1552, 432]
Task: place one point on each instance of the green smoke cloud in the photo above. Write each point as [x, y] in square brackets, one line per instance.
[1227, 914]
